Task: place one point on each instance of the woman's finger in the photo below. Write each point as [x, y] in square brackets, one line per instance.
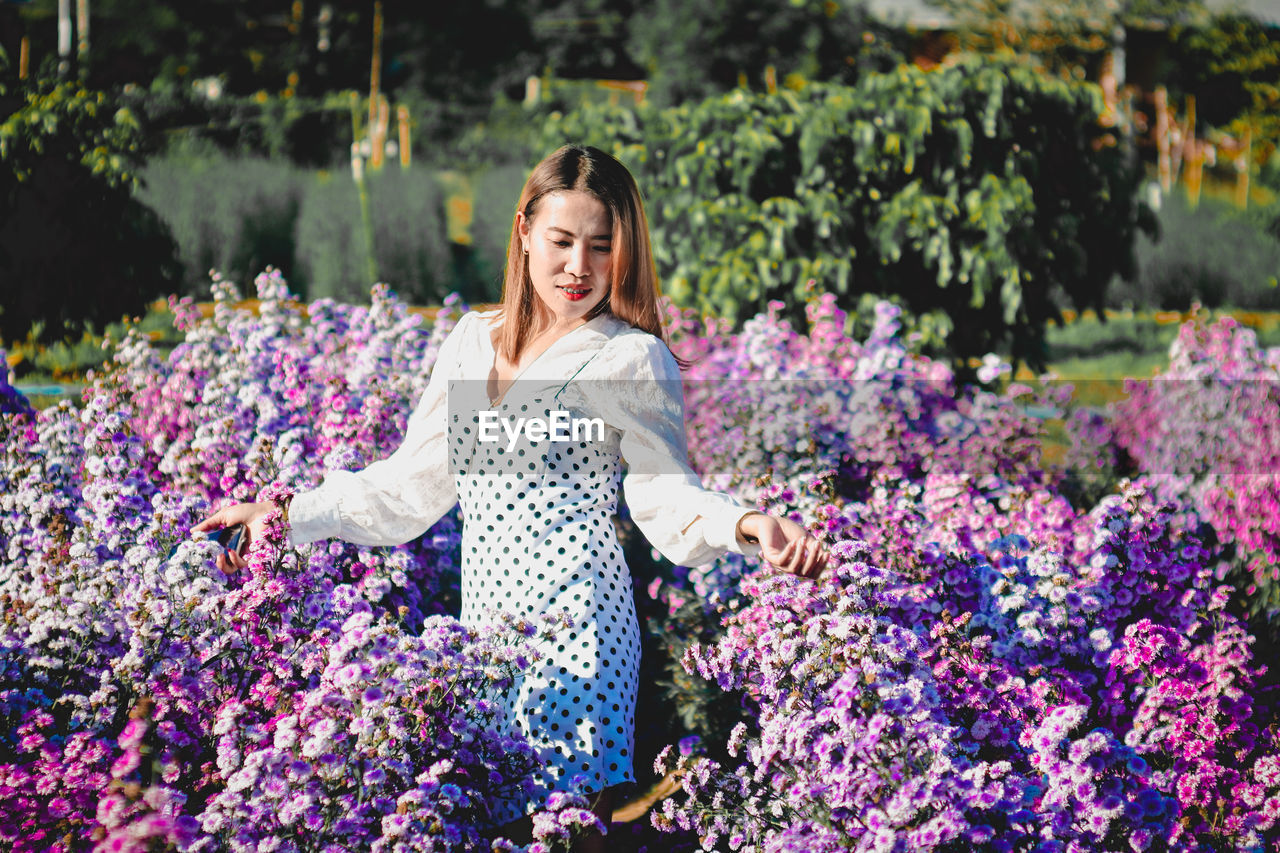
[789, 556]
[817, 560]
[797, 557]
[212, 522]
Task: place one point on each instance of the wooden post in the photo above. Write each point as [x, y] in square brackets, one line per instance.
[1107, 82]
[64, 37]
[1242, 168]
[24, 57]
[771, 79]
[1164, 166]
[402, 126]
[378, 134]
[375, 70]
[296, 48]
[82, 37]
[1193, 176]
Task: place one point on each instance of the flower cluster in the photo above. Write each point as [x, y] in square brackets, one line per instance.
[769, 397]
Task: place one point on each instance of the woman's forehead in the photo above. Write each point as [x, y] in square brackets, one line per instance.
[576, 213]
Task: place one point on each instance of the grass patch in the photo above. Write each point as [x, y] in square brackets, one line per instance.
[1122, 333]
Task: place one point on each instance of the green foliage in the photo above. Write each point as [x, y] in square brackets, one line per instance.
[240, 215]
[306, 131]
[1214, 254]
[76, 248]
[141, 40]
[70, 360]
[455, 57]
[979, 190]
[1127, 333]
[65, 122]
[496, 191]
[1266, 217]
[699, 706]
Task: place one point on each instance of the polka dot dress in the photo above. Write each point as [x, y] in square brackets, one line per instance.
[538, 537]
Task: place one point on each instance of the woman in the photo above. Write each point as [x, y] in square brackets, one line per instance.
[580, 328]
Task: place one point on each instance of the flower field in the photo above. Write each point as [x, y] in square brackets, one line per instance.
[1007, 655]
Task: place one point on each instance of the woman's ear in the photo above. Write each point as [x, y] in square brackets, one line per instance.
[522, 228]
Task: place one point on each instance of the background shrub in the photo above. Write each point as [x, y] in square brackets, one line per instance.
[76, 248]
[496, 192]
[233, 214]
[238, 215]
[1213, 254]
[407, 212]
[979, 189]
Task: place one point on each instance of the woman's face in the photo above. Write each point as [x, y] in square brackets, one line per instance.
[569, 243]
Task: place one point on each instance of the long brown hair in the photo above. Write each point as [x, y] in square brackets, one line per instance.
[633, 279]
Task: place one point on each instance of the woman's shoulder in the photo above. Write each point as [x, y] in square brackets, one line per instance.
[632, 351]
[479, 317]
[473, 323]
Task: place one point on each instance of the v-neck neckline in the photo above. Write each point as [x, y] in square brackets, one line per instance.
[493, 363]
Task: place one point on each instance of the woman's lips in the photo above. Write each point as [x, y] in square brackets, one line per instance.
[575, 292]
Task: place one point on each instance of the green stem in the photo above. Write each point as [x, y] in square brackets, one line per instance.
[362, 189]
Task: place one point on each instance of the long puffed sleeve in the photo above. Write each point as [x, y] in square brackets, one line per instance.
[689, 525]
[399, 498]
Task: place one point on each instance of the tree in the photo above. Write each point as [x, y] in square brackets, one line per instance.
[76, 248]
[981, 190]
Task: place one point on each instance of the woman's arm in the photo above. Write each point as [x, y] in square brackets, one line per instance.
[688, 524]
[389, 502]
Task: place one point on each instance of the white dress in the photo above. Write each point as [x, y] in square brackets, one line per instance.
[538, 533]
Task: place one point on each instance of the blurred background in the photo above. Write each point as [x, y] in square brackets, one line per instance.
[999, 168]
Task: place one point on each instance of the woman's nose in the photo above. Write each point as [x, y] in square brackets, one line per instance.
[577, 262]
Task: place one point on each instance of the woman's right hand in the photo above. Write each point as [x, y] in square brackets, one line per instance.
[254, 518]
[785, 544]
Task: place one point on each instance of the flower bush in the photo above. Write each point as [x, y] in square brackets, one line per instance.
[989, 666]
[320, 699]
[995, 660]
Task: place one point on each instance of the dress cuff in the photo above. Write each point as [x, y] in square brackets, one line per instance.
[721, 529]
[312, 516]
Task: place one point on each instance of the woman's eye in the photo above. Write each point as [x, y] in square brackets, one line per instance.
[604, 250]
[560, 244]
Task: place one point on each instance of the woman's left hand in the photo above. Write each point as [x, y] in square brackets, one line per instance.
[785, 544]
